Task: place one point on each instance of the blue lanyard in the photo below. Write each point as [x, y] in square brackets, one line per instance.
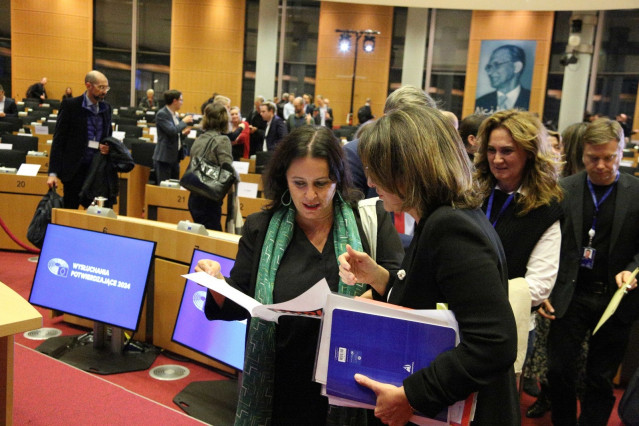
[489, 207]
[600, 202]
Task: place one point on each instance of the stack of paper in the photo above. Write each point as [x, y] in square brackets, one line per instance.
[386, 343]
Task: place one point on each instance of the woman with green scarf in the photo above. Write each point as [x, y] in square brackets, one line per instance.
[284, 250]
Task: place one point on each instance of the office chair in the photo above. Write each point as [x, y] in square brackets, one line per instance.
[130, 131]
[11, 158]
[21, 143]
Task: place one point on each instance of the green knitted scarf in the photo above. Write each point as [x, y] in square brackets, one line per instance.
[256, 396]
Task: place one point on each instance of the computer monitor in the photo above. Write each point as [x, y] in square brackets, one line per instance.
[213, 401]
[222, 341]
[101, 277]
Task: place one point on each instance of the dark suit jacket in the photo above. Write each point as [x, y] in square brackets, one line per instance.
[328, 122]
[488, 102]
[71, 138]
[624, 242]
[276, 132]
[166, 149]
[36, 90]
[456, 257]
[10, 108]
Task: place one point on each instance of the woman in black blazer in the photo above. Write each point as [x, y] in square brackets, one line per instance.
[417, 162]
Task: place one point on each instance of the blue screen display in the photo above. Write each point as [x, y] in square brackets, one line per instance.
[93, 275]
[220, 340]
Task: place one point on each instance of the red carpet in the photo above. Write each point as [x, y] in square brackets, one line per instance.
[50, 392]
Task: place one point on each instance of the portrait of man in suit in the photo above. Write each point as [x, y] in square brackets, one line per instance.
[506, 76]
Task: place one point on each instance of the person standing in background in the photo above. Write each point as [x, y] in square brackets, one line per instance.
[37, 91]
[169, 150]
[83, 122]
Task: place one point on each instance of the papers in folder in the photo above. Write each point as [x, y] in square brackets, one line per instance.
[386, 343]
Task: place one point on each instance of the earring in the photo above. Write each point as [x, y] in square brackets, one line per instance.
[289, 198]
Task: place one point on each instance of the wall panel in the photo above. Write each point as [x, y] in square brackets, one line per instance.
[52, 39]
[335, 69]
[510, 25]
[207, 50]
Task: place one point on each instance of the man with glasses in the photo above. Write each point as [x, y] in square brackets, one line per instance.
[83, 123]
[504, 71]
[600, 246]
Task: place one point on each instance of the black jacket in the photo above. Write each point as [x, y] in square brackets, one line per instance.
[102, 180]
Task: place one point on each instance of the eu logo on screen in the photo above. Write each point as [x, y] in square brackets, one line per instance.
[58, 267]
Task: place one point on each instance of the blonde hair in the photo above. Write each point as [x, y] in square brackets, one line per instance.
[539, 182]
[415, 153]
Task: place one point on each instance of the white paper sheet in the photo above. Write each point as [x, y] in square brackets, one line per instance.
[306, 304]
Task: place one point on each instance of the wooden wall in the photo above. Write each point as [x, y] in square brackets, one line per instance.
[510, 25]
[335, 69]
[207, 50]
[52, 39]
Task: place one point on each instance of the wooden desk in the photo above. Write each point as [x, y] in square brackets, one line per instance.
[19, 197]
[166, 204]
[132, 190]
[42, 161]
[251, 162]
[16, 316]
[172, 257]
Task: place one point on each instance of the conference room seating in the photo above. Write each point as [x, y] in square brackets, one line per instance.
[21, 143]
[130, 131]
[54, 103]
[262, 159]
[7, 127]
[128, 142]
[118, 119]
[51, 125]
[16, 121]
[11, 158]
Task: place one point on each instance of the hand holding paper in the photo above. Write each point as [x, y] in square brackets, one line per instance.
[309, 304]
[616, 299]
[392, 405]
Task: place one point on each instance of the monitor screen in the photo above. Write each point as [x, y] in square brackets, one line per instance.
[220, 340]
[93, 275]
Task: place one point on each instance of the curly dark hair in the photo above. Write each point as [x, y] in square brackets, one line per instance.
[313, 142]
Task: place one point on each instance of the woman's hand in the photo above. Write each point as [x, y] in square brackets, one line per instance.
[392, 406]
[213, 268]
[359, 267]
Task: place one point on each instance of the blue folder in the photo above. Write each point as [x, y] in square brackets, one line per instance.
[383, 348]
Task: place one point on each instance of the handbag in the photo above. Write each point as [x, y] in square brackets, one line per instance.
[205, 178]
[42, 217]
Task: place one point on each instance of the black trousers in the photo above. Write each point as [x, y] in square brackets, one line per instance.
[605, 354]
[206, 212]
[166, 171]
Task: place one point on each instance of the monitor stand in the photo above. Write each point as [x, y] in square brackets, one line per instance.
[212, 401]
[101, 352]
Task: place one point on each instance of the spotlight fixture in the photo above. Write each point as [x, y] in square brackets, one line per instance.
[344, 42]
[369, 43]
[368, 46]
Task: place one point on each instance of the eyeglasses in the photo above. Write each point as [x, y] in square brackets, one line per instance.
[494, 65]
[102, 87]
[595, 160]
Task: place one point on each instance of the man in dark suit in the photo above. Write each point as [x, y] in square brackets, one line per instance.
[37, 91]
[275, 127]
[504, 70]
[8, 106]
[323, 114]
[168, 150]
[600, 246]
[83, 123]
